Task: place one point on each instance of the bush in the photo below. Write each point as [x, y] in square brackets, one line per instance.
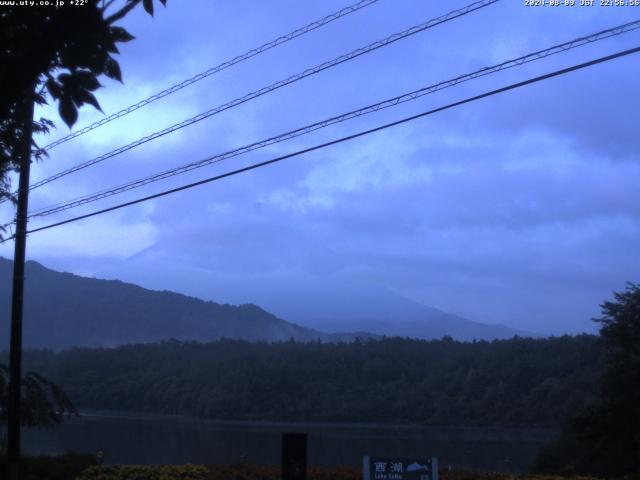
[62, 467]
[145, 472]
[271, 472]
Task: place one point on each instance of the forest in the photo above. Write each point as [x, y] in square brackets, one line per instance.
[517, 382]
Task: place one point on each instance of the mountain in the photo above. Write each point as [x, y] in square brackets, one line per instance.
[63, 310]
[350, 306]
[327, 297]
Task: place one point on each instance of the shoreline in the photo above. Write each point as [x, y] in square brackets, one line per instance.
[89, 413]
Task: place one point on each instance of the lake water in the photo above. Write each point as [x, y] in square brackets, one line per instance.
[153, 439]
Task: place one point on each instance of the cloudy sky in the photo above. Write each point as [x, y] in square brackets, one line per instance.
[521, 209]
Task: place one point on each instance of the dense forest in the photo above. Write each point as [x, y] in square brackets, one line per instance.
[505, 382]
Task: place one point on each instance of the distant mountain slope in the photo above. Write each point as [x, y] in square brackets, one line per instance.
[326, 297]
[63, 310]
[347, 306]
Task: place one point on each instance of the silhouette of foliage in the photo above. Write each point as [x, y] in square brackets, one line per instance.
[60, 467]
[57, 53]
[604, 438]
[43, 402]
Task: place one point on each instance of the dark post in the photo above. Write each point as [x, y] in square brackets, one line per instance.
[294, 456]
[15, 355]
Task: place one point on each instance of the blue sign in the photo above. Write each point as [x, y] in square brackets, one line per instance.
[375, 468]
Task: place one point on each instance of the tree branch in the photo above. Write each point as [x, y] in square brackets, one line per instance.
[107, 4]
[122, 12]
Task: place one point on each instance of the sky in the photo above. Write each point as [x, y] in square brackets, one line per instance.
[520, 209]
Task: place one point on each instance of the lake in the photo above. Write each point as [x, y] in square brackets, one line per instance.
[152, 439]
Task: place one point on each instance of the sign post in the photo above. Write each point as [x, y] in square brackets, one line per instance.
[374, 468]
[294, 456]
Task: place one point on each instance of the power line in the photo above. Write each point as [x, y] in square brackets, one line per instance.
[343, 139]
[578, 42]
[274, 86]
[218, 68]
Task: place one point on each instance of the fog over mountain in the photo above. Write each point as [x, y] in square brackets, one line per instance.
[63, 310]
[332, 295]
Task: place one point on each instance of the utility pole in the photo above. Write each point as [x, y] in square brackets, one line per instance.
[15, 352]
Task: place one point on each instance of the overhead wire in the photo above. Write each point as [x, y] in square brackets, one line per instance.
[254, 166]
[274, 86]
[538, 55]
[218, 68]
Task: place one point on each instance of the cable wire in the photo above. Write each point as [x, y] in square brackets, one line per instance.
[541, 54]
[218, 68]
[254, 166]
[274, 86]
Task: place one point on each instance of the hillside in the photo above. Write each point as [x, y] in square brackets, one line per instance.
[64, 310]
[327, 300]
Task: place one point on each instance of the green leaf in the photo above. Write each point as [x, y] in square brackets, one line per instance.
[63, 78]
[39, 99]
[68, 111]
[110, 45]
[148, 6]
[87, 80]
[54, 88]
[84, 96]
[112, 69]
[119, 34]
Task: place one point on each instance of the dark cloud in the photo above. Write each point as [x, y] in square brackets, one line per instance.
[520, 209]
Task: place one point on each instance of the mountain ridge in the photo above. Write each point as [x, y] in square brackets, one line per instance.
[65, 310]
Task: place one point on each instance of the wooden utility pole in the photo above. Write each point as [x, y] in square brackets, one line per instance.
[15, 352]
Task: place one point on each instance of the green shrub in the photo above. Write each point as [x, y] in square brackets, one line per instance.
[145, 472]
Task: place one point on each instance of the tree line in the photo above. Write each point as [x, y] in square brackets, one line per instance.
[522, 381]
